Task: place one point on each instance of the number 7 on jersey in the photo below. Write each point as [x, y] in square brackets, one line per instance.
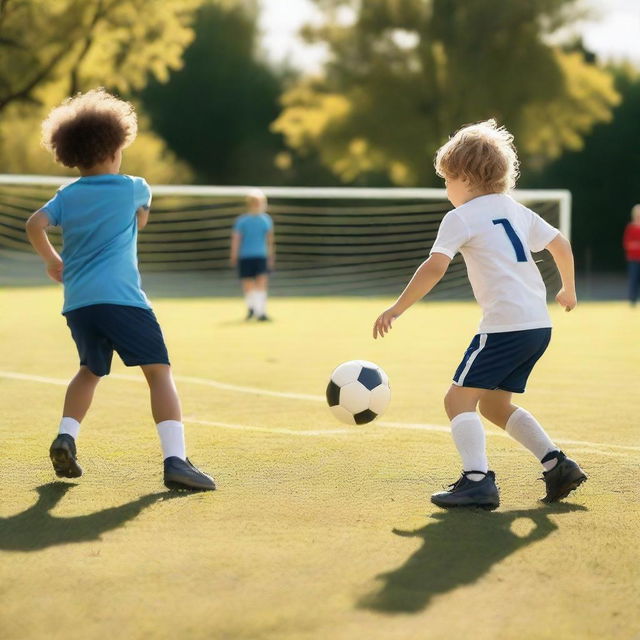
[521, 255]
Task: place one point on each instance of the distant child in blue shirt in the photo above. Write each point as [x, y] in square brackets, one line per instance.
[104, 305]
[253, 252]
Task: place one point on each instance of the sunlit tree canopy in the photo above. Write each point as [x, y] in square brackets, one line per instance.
[404, 74]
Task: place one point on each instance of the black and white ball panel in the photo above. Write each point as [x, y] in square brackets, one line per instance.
[358, 392]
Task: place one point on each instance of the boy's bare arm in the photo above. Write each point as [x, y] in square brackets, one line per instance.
[37, 233]
[235, 246]
[142, 214]
[560, 250]
[428, 274]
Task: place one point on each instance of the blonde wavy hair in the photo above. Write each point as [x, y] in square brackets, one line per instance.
[483, 155]
[89, 128]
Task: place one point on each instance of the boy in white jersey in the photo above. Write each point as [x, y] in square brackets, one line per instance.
[495, 236]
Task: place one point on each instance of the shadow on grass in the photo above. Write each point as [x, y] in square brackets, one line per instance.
[458, 549]
[35, 528]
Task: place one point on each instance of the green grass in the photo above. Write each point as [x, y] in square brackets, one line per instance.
[312, 534]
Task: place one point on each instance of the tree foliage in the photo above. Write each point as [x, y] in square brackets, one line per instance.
[603, 179]
[50, 49]
[404, 74]
[215, 112]
[76, 44]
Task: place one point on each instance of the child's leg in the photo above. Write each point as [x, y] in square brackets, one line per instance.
[496, 406]
[261, 286]
[76, 404]
[466, 428]
[165, 407]
[248, 289]
[77, 401]
[634, 281]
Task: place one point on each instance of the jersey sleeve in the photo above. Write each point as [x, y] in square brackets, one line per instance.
[541, 233]
[238, 224]
[269, 222]
[53, 209]
[141, 193]
[452, 234]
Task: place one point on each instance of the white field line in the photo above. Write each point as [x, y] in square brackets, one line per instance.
[297, 396]
[247, 427]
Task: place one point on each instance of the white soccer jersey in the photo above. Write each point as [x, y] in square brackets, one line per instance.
[496, 235]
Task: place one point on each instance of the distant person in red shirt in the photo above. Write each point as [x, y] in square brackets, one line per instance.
[631, 244]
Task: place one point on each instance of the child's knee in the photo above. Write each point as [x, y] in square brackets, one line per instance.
[449, 400]
[88, 375]
[155, 369]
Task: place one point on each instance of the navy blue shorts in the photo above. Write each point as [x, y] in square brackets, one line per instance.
[252, 267]
[100, 329]
[502, 360]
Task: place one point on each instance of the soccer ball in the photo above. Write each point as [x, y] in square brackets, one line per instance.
[358, 392]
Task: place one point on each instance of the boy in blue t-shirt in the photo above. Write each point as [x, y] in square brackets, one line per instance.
[253, 252]
[104, 305]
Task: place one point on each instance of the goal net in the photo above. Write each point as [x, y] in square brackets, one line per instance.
[329, 241]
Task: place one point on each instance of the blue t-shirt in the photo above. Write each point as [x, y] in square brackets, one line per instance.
[97, 215]
[253, 227]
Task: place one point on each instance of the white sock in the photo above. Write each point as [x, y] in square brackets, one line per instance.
[254, 302]
[524, 428]
[261, 303]
[469, 437]
[248, 298]
[70, 426]
[171, 434]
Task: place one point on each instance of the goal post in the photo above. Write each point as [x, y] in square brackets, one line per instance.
[329, 240]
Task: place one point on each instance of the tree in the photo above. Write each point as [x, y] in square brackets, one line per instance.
[77, 44]
[603, 179]
[215, 112]
[50, 49]
[404, 74]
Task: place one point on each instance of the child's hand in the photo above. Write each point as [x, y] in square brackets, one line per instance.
[384, 322]
[271, 263]
[54, 269]
[566, 299]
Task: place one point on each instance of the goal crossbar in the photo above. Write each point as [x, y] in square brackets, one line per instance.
[562, 196]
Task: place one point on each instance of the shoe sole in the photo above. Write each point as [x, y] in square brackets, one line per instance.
[487, 506]
[179, 486]
[564, 491]
[63, 463]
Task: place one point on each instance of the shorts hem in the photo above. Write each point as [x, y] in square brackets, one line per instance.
[474, 386]
[99, 375]
[117, 303]
[141, 364]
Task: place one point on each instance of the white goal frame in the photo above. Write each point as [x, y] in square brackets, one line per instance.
[562, 196]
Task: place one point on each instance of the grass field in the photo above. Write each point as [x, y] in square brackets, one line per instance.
[317, 530]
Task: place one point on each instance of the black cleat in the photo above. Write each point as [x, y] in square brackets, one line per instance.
[249, 314]
[469, 493]
[181, 474]
[563, 478]
[63, 456]
[264, 318]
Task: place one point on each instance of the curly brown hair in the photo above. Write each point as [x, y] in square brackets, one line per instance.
[89, 128]
[483, 154]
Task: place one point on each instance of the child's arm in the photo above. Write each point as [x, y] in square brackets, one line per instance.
[271, 248]
[235, 246]
[428, 274]
[142, 214]
[37, 233]
[560, 250]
